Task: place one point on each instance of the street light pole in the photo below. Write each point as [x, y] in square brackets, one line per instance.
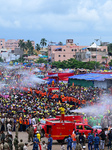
[96, 53]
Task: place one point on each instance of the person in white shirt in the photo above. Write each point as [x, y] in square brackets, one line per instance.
[44, 146]
[62, 147]
[25, 146]
[8, 127]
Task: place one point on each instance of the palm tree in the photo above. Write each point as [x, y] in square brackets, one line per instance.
[37, 47]
[29, 47]
[30, 51]
[28, 44]
[43, 42]
[22, 44]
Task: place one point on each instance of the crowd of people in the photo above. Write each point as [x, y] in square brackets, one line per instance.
[24, 103]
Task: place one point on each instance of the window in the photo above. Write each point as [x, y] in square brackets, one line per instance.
[64, 50]
[75, 49]
[93, 56]
[104, 50]
[64, 56]
[73, 55]
[59, 55]
[87, 128]
[79, 127]
[72, 50]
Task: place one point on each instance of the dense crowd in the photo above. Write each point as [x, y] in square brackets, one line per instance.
[24, 103]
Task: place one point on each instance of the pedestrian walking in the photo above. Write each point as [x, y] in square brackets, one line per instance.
[21, 145]
[50, 140]
[96, 142]
[16, 142]
[69, 143]
[90, 141]
[35, 142]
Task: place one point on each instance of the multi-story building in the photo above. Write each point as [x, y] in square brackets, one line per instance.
[12, 44]
[81, 53]
[2, 43]
[63, 52]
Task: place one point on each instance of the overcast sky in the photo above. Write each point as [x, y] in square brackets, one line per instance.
[56, 20]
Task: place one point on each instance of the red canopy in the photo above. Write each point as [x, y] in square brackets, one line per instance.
[61, 76]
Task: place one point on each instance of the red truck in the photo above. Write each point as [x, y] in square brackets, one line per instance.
[43, 125]
[73, 118]
[61, 131]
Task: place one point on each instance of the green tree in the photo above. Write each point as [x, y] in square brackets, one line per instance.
[29, 47]
[110, 49]
[72, 63]
[60, 43]
[110, 63]
[22, 44]
[1, 60]
[37, 47]
[43, 42]
[41, 60]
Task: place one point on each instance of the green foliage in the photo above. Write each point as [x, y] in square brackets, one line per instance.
[43, 42]
[72, 63]
[110, 63]
[110, 49]
[37, 47]
[22, 44]
[60, 43]
[41, 60]
[1, 60]
[29, 47]
[103, 57]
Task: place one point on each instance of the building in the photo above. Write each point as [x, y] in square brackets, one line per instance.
[44, 51]
[63, 52]
[82, 53]
[12, 44]
[2, 43]
[18, 51]
[8, 55]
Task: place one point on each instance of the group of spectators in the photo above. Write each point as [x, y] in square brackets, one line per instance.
[22, 106]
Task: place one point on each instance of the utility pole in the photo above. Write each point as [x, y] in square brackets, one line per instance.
[96, 53]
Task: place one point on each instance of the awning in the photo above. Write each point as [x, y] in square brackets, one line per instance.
[58, 48]
[94, 46]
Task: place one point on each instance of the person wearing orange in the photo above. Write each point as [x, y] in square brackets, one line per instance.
[74, 140]
[24, 124]
[21, 123]
[27, 123]
[85, 120]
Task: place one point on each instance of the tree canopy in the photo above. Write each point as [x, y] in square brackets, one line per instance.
[37, 47]
[72, 63]
[43, 42]
[110, 49]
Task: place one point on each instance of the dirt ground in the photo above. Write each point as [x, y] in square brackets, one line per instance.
[56, 145]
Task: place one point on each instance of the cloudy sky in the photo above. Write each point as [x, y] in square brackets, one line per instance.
[56, 20]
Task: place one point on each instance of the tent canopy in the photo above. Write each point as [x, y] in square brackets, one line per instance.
[94, 46]
[92, 76]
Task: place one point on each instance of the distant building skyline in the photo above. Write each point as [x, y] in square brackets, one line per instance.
[80, 53]
[12, 43]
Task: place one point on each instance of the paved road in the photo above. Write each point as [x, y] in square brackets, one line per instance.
[24, 136]
[56, 145]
